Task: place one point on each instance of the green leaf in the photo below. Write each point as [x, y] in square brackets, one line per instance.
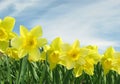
[32, 67]
[23, 68]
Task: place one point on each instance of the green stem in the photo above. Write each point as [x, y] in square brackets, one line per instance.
[43, 73]
[22, 71]
[8, 71]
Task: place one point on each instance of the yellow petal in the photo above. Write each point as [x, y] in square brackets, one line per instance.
[107, 65]
[109, 52]
[76, 44]
[42, 41]
[54, 56]
[92, 47]
[78, 71]
[0, 21]
[46, 48]
[8, 23]
[3, 35]
[56, 43]
[43, 56]
[23, 31]
[12, 35]
[95, 56]
[16, 42]
[34, 55]
[3, 45]
[66, 47]
[12, 52]
[52, 66]
[117, 55]
[89, 66]
[22, 53]
[36, 31]
[89, 71]
[69, 64]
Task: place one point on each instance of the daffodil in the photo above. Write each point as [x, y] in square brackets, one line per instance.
[6, 27]
[89, 56]
[93, 53]
[111, 60]
[29, 42]
[70, 54]
[116, 62]
[12, 53]
[107, 60]
[54, 52]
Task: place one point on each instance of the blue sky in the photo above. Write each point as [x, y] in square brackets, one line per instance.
[95, 22]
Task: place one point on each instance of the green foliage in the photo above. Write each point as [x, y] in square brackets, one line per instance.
[23, 72]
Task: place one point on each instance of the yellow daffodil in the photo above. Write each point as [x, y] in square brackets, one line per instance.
[29, 42]
[93, 53]
[111, 61]
[70, 54]
[54, 52]
[107, 60]
[3, 45]
[12, 52]
[88, 57]
[88, 68]
[6, 27]
[116, 62]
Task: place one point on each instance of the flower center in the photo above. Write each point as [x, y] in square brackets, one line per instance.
[30, 43]
[74, 54]
[108, 63]
[54, 56]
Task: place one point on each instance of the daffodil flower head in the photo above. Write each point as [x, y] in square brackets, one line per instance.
[93, 53]
[6, 27]
[88, 58]
[116, 62]
[111, 61]
[3, 46]
[88, 68]
[71, 54]
[29, 42]
[107, 60]
[12, 53]
[54, 52]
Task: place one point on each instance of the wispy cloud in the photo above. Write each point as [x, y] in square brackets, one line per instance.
[92, 22]
[86, 23]
[29, 7]
[4, 4]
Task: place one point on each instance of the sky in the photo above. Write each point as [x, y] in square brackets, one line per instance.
[92, 22]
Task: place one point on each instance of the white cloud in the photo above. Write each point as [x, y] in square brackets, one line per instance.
[21, 7]
[71, 20]
[4, 4]
[80, 22]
